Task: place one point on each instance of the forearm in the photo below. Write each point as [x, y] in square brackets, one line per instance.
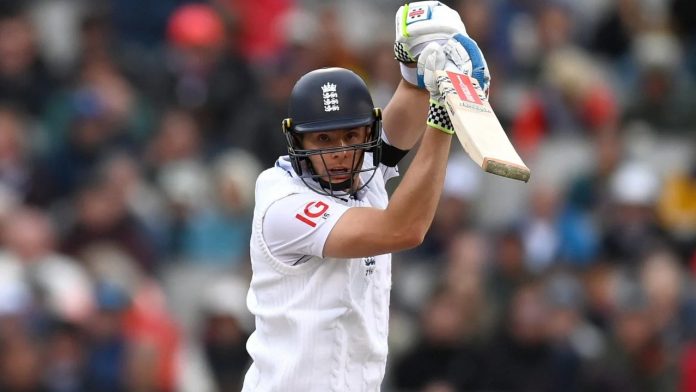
[413, 204]
[405, 115]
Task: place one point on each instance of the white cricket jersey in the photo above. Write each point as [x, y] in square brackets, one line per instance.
[321, 323]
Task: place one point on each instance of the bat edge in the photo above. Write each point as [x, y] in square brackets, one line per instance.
[507, 169]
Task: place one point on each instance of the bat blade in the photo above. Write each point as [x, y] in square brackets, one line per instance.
[478, 128]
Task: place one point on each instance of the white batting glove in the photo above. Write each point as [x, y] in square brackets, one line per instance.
[456, 59]
[466, 55]
[418, 24]
[432, 59]
[462, 55]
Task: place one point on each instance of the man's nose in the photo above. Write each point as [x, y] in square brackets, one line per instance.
[340, 154]
[342, 144]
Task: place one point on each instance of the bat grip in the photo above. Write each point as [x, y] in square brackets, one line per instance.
[444, 84]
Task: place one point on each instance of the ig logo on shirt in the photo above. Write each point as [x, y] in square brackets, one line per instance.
[313, 211]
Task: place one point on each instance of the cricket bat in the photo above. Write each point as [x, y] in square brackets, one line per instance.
[478, 128]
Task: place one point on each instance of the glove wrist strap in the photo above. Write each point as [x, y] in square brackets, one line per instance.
[439, 119]
[409, 74]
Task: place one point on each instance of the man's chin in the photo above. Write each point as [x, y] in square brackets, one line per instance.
[342, 181]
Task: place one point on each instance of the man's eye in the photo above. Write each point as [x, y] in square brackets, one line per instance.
[323, 138]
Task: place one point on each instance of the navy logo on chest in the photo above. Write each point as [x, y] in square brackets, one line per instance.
[369, 265]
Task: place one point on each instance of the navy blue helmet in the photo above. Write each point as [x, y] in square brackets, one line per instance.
[330, 99]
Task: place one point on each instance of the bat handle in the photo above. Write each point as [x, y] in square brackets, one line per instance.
[444, 83]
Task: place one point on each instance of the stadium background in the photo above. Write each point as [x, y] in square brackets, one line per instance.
[131, 133]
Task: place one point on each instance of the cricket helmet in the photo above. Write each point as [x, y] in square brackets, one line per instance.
[329, 99]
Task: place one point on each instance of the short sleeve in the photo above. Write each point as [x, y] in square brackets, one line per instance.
[389, 172]
[298, 225]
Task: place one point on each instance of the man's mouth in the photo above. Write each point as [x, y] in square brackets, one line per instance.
[339, 173]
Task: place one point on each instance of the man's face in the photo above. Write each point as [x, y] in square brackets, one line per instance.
[335, 167]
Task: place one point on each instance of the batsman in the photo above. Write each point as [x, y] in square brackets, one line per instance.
[324, 228]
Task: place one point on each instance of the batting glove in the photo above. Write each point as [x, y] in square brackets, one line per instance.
[463, 56]
[432, 59]
[470, 60]
[418, 24]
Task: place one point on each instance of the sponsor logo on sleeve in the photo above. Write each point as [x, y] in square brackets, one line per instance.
[313, 211]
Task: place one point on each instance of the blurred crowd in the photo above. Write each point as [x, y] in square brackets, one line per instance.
[131, 134]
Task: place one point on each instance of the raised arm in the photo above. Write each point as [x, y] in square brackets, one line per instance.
[416, 25]
[362, 232]
[405, 115]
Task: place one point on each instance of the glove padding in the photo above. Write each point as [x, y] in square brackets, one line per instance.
[420, 23]
[476, 66]
[432, 59]
[462, 55]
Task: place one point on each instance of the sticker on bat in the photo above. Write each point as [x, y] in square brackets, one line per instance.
[464, 88]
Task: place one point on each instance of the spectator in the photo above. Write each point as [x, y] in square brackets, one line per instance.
[688, 365]
[633, 229]
[64, 358]
[176, 161]
[600, 282]
[671, 303]
[260, 44]
[520, 357]
[102, 217]
[102, 94]
[106, 353]
[143, 199]
[218, 233]
[662, 94]
[102, 113]
[25, 80]
[455, 210]
[508, 270]
[24, 177]
[62, 284]
[225, 329]
[444, 357]
[677, 209]
[574, 97]
[20, 365]
[205, 77]
[587, 203]
[574, 342]
[154, 341]
[539, 230]
[636, 358]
